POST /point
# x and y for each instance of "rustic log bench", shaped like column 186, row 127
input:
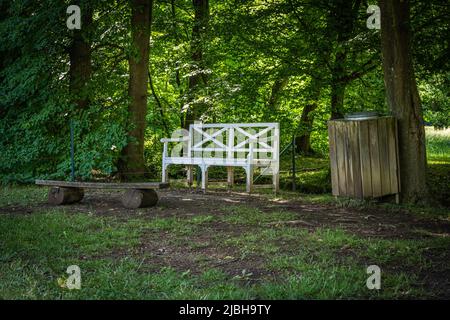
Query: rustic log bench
column 137, row 195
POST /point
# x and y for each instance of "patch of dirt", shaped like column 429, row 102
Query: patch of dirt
column 437, row 280
column 205, row 248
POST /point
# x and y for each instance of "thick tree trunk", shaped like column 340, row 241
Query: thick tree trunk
column 403, row 98
column 303, row 140
column 337, row 101
column 277, row 87
column 338, row 87
column 80, row 53
column 177, row 63
column 132, row 165
column 343, row 16
column 201, row 20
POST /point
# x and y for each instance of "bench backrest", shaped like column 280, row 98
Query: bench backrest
column 234, row 140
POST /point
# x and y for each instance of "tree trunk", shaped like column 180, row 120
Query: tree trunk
column 278, row 86
column 338, row 87
column 201, row 20
column 132, row 165
column 403, row 98
column 303, row 140
column 342, row 19
column 177, row 63
column 80, row 53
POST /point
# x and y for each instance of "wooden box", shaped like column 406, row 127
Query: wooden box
column 364, row 157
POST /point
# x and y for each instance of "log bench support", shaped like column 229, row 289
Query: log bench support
column 64, row 195
column 139, row 198
column 137, row 195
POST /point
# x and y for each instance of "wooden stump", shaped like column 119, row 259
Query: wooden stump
column 139, row 198
column 63, row 195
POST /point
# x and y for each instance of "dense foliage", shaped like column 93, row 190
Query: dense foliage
column 260, row 61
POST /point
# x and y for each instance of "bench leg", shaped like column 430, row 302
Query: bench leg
column 190, row 176
column 230, row 177
column 165, row 174
column 249, row 173
column 204, row 178
column 139, row 198
column 65, row 195
column 276, row 182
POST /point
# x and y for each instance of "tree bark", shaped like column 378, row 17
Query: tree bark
column 132, row 165
column 337, row 100
column 199, row 30
column 278, row 86
column 403, row 98
column 303, row 140
column 337, row 85
column 343, row 17
column 80, row 55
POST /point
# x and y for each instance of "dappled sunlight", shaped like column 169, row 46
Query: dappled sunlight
column 196, row 149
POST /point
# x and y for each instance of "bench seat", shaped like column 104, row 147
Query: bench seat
column 216, row 162
column 102, row 185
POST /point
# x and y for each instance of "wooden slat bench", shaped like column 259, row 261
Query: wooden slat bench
column 137, row 195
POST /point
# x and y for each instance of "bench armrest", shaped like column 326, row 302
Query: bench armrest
column 181, row 139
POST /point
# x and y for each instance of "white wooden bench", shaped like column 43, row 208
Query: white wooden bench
column 246, row 145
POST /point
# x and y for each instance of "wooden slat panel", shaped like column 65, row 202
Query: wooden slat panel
column 355, row 161
column 366, row 170
column 340, row 156
column 364, row 157
column 348, row 158
column 375, row 158
column 101, row 185
column 384, row 156
column 333, row 157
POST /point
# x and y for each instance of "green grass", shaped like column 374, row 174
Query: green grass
column 36, row 249
column 438, row 145
column 244, row 215
column 21, row 195
column 438, row 154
